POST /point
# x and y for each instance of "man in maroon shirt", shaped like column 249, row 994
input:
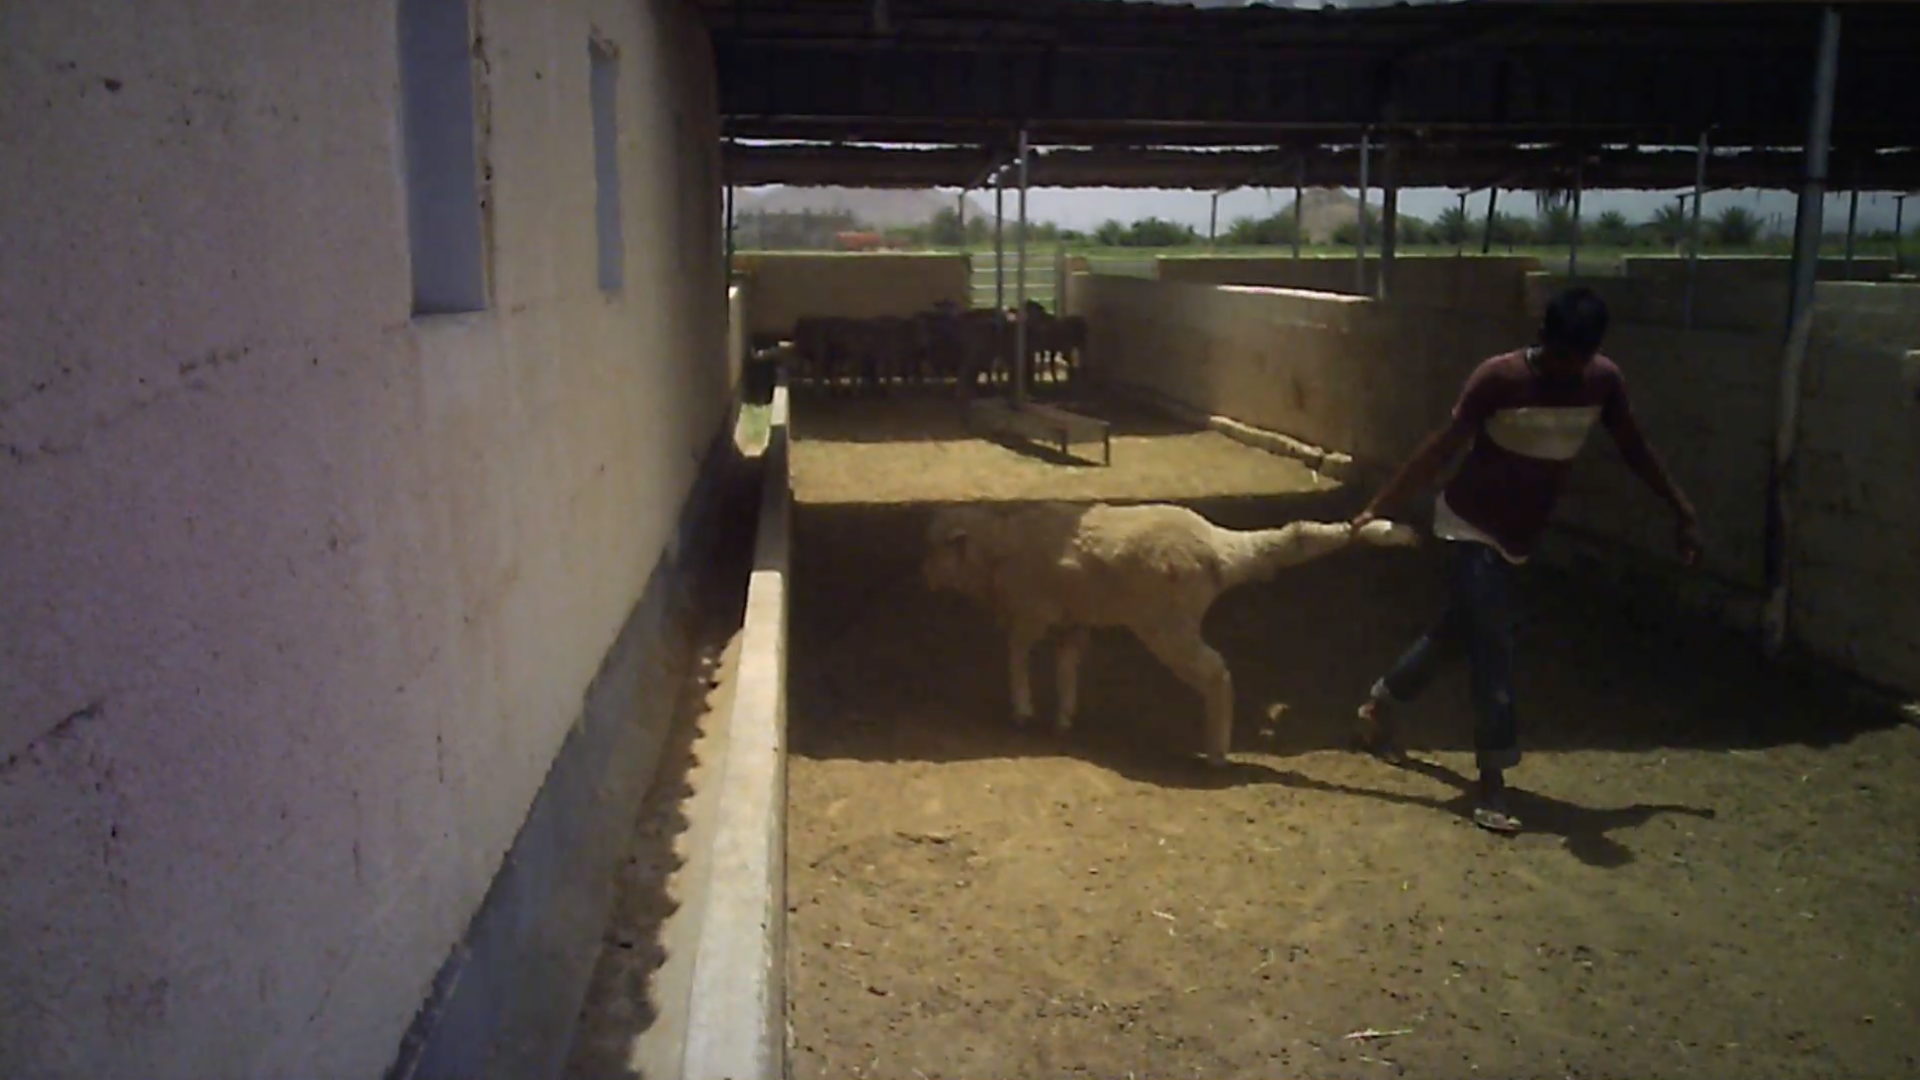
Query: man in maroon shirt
column 1522, row 417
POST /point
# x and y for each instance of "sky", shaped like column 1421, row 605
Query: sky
column 1086, row 208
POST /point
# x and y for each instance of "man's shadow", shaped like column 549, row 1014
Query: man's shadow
column 1583, row 828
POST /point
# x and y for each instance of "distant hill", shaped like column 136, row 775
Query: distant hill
column 876, row 208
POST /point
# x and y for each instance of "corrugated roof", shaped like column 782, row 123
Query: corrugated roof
column 1440, row 72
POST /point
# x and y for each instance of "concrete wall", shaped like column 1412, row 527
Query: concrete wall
column 302, row 594
column 787, row 286
column 1342, row 372
column 1857, row 532
column 1730, row 303
column 1494, row 283
column 1368, row 379
column 1751, row 269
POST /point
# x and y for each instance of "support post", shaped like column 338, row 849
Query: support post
column 1800, row 295
column 1360, row 234
column 1389, row 216
column 1693, row 243
column 1853, row 221
column 999, row 245
column 1213, row 221
column 1899, row 233
column 1460, row 238
column 1493, row 206
column 960, row 213
column 1573, row 248
column 1060, row 278
column 1020, row 284
column 729, row 267
column 1299, row 195
column 999, row 270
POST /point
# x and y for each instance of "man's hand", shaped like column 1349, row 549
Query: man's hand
column 1359, row 521
column 1687, row 540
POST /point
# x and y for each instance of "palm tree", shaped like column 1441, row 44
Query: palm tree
column 1736, row 227
column 1555, row 225
column 1611, row 229
column 1512, row 229
column 1453, row 226
column 1670, row 225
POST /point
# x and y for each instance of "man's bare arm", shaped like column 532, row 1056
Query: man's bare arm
column 1422, row 467
column 1645, row 464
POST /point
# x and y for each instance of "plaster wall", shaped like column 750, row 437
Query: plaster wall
column 1751, row 269
column 787, row 286
column 302, row 593
column 1856, row 553
column 1493, row 284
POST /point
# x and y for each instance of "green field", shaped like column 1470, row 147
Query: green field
column 1593, row 258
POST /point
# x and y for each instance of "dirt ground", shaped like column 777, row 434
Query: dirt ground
column 1720, row 877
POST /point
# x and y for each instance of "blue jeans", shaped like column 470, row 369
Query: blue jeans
column 1479, row 621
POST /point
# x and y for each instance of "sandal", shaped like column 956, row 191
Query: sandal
column 1498, row 821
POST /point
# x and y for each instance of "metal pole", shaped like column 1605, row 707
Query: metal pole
column 1213, row 221
column 960, row 212
column 1299, row 194
column 1806, row 253
column 1486, row 236
column 1389, row 216
column 999, row 273
column 729, row 268
column 999, row 247
column 1360, row 236
column 1899, row 233
column 1573, row 248
column 1693, row 244
column 1460, row 238
column 1853, row 217
column 1020, row 284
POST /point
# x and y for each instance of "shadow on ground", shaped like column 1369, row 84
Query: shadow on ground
column 886, row 671
column 629, row 996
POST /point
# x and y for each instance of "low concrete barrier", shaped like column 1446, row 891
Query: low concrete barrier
column 736, row 1016
column 1329, row 463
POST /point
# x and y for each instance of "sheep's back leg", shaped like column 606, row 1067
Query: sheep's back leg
column 1021, row 638
column 1196, row 663
column 1073, row 646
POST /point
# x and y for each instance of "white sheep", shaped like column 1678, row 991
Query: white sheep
column 1154, row 569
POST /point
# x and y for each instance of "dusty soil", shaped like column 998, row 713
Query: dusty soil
column 1720, row 877
column 918, row 450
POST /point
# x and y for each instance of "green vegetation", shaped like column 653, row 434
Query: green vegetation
column 1547, row 234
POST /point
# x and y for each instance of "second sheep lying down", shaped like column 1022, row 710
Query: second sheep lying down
column 1155, row 569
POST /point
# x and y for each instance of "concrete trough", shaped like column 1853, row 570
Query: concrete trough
column 736, row 1017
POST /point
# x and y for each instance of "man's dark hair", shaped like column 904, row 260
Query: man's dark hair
column 1576, row 321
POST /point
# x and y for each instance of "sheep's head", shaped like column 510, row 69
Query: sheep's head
column 1381, row 533
column 950, row 564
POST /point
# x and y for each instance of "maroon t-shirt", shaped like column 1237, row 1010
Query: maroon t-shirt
column 1528, row 429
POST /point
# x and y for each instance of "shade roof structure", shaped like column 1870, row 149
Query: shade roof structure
column 1430, row 164
column 1469, row 79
